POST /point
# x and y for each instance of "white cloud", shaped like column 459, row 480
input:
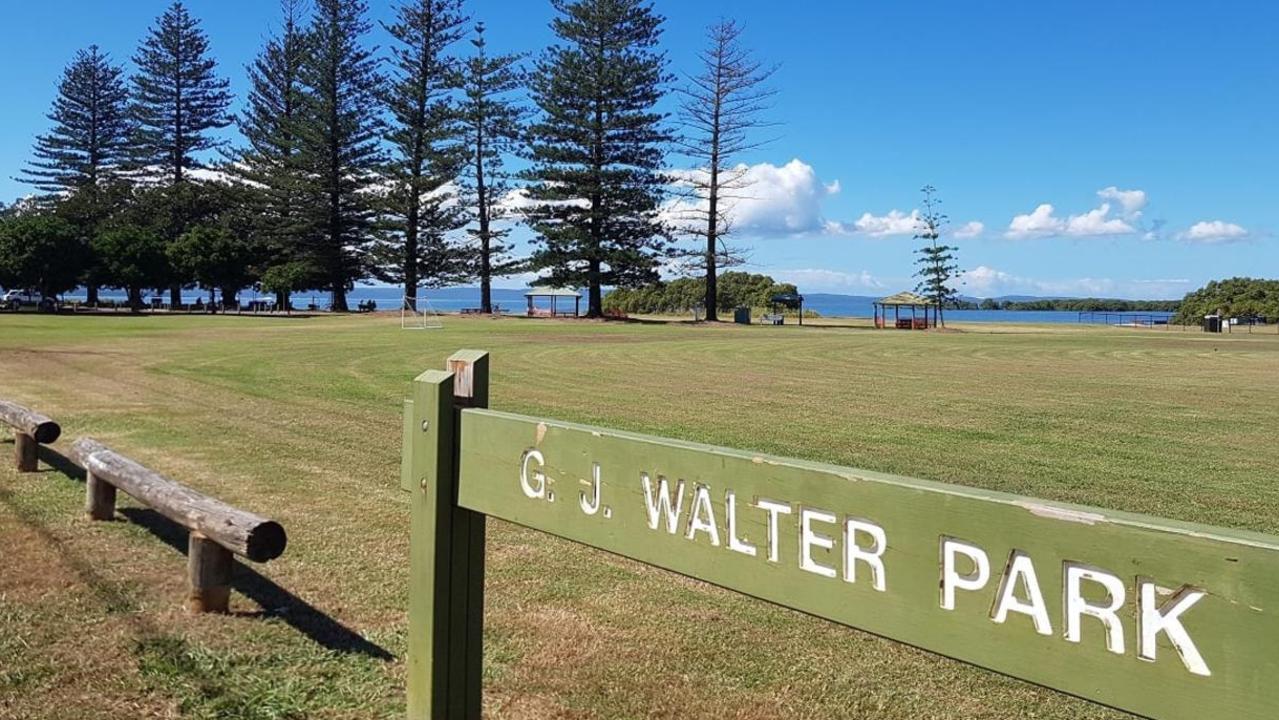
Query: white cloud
column 970, row 230
column 769, row 199
column 1039, row 222
column 985, row 281
column 1132, row 202
column 1043, row 222
column 1213, row 232
column 895, row 222
column 832, row 281
column 1097, row 222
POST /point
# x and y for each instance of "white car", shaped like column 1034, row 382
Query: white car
column 15, row 299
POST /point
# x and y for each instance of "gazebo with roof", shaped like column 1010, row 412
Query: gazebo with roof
column 899, row 301
column 556, row 295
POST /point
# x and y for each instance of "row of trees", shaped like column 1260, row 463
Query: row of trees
column 358, row 164
column 1234, row 297
column 1080, row 305
column 733, row 289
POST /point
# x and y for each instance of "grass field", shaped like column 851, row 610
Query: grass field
column 299, row 419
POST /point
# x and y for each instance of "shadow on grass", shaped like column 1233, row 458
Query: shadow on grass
column 276, row 602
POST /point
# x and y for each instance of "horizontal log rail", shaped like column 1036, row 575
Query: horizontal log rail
column 30, row 430
column 217, row 529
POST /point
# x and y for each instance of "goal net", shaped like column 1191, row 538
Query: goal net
column 418, row 314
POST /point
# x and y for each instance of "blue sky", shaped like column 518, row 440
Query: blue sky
column 1150, row 128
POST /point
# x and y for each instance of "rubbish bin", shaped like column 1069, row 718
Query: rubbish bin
column 742, row 316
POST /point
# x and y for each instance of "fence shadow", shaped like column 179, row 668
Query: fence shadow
column 276, row 602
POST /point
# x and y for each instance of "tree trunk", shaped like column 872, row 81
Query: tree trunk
column 175, row 297
column 91, row 293
column 595, row 301
column 339, row 297
column 712, row 239
column 135, row 299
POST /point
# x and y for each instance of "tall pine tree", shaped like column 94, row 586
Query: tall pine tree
column 599, row 148
column 493, row 124
column 178, row 101
column 178, row 97
column 722, row 105
column 269, row 123
column 427, row 153
column 88, row 143
column 340, row 152
column 83, row 154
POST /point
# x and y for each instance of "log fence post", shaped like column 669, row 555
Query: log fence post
column 209, row 575
column 99, row 497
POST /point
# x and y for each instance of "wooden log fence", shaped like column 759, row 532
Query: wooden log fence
column 30, row 430
column 217, row 530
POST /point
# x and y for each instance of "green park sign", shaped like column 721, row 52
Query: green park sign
column 1159, row 618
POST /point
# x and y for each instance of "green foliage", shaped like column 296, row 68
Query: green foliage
column 40, row 252
column 1235, row 297
column 286, row 278
column 178, row 98
column 735, row 289
column 1083, row 305
column 340, row 152
column 598, row 149
column 215, row 257
column 132, row 257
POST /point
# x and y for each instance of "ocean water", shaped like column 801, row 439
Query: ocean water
column 511, row 300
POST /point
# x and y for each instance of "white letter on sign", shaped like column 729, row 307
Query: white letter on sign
column 773, row 508
column 874, row 557
column 1021, row 569
column 660, row 504
column 951, row 580
column 1155, row 620
column 809, row 539
column 734, row 543
column 536, row 491
column 702, row 517
column 1108, row 614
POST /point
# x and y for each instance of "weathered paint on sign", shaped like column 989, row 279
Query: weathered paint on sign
column 1163, row 619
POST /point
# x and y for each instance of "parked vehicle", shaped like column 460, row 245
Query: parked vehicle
column 17, row 299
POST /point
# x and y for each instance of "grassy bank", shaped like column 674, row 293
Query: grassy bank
column 299, row 419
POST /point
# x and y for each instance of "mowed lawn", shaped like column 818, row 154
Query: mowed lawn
column 299, row 419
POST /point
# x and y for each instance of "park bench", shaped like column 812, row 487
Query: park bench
column 30, row 430
column 218, row 531
column 773, row 319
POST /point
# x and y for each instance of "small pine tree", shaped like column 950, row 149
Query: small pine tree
column 178, row 97
column 493, row 125
column 598, row 149
column 340, row 152
column 427, row 150
column 937, row 263
column 269, row 123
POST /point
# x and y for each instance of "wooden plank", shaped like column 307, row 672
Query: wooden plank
column 241, row 532
column 1031, row 589
column 446, row 595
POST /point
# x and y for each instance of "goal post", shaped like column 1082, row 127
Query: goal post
column 418, row 314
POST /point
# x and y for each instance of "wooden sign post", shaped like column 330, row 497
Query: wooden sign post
column 1163, row 619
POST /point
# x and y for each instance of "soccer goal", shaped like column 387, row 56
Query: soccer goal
column 419, row 314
